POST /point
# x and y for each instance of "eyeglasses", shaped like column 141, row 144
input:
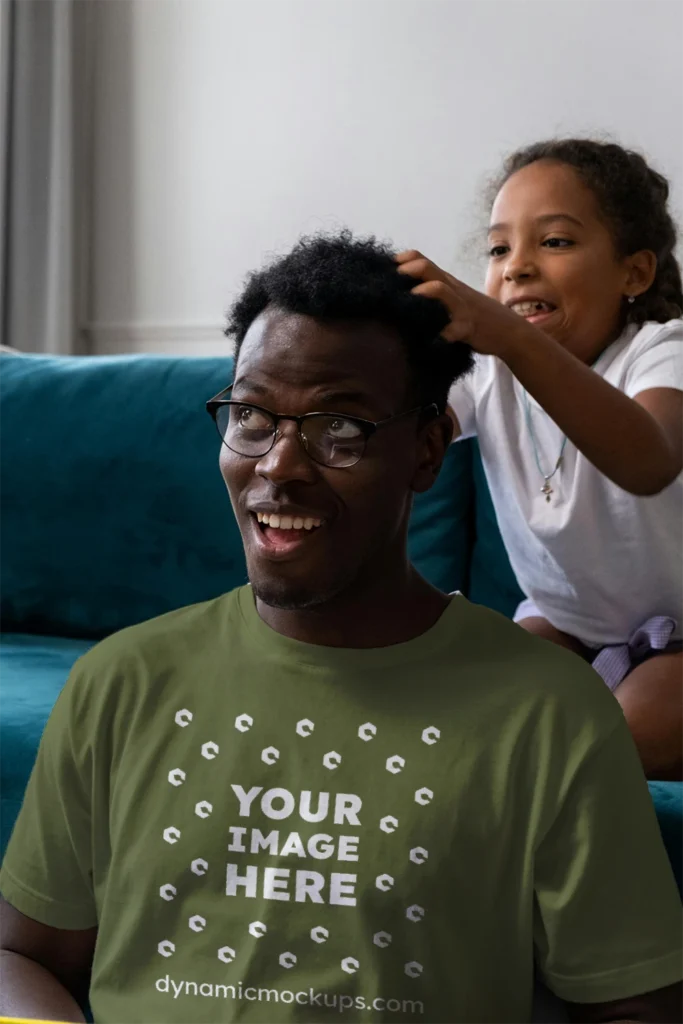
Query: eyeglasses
column 328, row 438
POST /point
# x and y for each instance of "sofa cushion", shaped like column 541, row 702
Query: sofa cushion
column 668, row 801
column 492, row 581
column 440, row 537
column 33, row 670
column 112, row 504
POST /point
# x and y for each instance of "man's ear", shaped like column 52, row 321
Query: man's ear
column 435, row 437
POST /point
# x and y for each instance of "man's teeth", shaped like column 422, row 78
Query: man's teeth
column 530, row 308
column 277, row 522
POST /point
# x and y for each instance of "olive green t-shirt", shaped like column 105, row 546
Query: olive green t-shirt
column 266, row 830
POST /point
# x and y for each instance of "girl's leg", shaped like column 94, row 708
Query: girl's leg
column 539, row 626
column 651, row 697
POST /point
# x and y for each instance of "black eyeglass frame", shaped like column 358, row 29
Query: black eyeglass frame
column 367, row 427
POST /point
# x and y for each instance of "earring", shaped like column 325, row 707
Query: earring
column 631, row 299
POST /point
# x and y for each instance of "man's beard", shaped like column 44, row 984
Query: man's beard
column 289, row 599
column 293, row 597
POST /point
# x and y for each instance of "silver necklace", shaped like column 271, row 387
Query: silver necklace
column 546, row 489
column 547, row 477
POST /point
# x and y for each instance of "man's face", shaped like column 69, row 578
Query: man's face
column 292, row 364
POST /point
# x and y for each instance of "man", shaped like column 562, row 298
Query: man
column 336, row 794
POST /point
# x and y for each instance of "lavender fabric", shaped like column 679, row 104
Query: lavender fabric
column 615, row 662
column 653, row 637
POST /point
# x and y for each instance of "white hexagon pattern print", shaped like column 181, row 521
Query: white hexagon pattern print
column 346, row 809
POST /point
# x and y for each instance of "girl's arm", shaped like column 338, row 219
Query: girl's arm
column 636, row 442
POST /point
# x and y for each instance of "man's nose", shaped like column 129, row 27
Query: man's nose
column 287, row 460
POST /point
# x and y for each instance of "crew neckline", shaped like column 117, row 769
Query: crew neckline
column 274, row 644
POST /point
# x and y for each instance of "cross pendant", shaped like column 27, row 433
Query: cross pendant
column 547, row 490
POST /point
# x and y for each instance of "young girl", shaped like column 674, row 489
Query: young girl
column 576, row 400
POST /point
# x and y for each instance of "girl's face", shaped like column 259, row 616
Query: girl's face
column 553, row 260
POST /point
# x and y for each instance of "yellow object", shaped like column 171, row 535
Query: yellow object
column 26, row 1020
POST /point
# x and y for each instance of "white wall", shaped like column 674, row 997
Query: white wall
column 225, row 128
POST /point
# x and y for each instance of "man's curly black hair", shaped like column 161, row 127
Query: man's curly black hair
column 339, row 278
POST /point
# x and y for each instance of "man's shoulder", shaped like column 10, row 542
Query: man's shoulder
column 533, row 671
column 165, row 639
column 138, row 670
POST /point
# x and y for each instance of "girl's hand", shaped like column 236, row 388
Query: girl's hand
column 486, row 325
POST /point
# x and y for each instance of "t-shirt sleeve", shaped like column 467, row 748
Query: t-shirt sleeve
column 47, row 870
column 462, row 401
column 607, row 911
column 660, row 364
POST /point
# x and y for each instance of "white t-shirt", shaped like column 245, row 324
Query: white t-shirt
column 597, row 561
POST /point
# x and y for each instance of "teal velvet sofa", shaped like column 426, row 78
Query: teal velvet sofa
column 113, row 511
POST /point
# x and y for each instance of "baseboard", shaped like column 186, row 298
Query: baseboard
column 156, row 339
